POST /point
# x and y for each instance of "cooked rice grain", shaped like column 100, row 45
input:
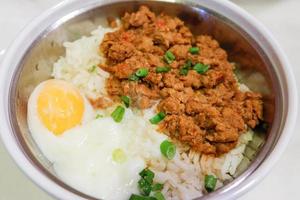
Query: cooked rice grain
column 184, row 175
column 80, row 64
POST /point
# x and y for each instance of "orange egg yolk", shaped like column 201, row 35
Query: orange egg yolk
column 60, row 106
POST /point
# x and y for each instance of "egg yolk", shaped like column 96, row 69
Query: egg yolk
column 60, row 106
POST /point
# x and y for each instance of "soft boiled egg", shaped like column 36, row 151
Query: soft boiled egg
column 57, row 106
column 99, row 157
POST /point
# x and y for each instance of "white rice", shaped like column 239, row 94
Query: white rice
column 183, row 176
column 79, row 66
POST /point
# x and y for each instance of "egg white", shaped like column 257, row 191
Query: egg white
column 82, row 156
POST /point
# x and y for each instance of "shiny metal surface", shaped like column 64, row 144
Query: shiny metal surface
column 259, row 68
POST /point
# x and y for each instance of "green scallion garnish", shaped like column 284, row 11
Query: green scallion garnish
column 133, row 77
column 157, row 187
column 194, row 50
column 118, row 114
column 186, row 67
column 147, row 174
column 139, row 197
column 144, row 187
column 92, row 69
column 119, row 156
column 201, row 68
column 169, row 57
column 99, row 116
column 142, row 72
column 184, row 71
column 157, row 118
column 188, row 64
column 126, row 101
column 159, row 196
column 162, row 69
column 210, row 183
column 168, row 149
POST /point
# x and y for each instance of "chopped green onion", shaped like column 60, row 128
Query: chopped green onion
column 139, row 197
column 157, row 118
column 157, row 187
column 144, row 187
column 147, row 175
column 118, row 114
column 188, row 64
column 186, row 67
column 126, row 100
column 184, row 71
column 133, row 77
column 210, row 183
column 169, row 57
column 92, row 69
column 119, row 156
column 99, row 116
column 142, row 72
column 201, row 68
column 159, row 196
column 194, row 50
column 162, row 69
column 168, row 149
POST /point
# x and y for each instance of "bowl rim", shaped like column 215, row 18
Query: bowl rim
column 12, row 145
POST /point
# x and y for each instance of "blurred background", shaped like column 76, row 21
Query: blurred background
column 281, row 17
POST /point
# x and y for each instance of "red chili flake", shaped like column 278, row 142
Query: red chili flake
column 126, row 36
column 160, row 23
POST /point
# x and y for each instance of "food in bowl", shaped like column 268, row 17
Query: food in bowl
column 144, row 109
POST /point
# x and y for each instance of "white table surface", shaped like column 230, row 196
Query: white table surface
column 282, row 17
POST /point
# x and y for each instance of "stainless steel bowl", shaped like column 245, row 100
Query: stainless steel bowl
column 262, row 67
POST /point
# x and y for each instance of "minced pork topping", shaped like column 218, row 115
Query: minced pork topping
column 155, row 59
